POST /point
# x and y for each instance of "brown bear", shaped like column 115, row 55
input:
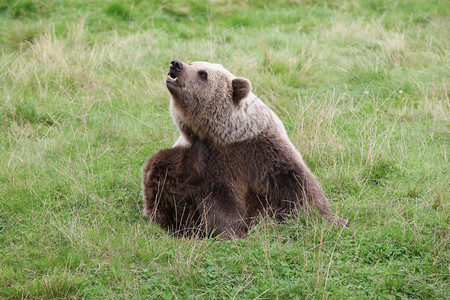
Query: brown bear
column 245, row 165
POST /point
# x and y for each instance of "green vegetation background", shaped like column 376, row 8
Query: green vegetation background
column 362, row 87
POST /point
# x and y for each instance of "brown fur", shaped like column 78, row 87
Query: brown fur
column 244, row 166
column 171, row 180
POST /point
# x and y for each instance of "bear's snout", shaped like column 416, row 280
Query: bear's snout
column 176, row 66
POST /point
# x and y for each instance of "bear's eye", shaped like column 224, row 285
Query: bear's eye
column 203, row 74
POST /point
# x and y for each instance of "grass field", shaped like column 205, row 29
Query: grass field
column 361, row 86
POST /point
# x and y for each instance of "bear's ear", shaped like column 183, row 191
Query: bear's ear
column 241, row 88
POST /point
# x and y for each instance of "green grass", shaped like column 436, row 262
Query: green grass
column 361, row 86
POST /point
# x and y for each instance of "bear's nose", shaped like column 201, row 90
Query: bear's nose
column 176, row 66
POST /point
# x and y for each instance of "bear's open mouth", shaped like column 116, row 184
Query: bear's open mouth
column 172, row 78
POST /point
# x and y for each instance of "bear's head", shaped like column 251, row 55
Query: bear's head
column 202, row 83
column 212, row 103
